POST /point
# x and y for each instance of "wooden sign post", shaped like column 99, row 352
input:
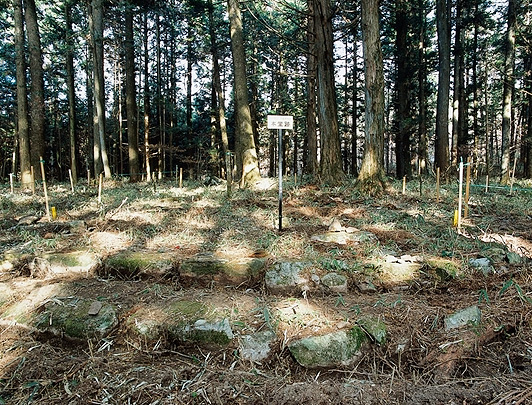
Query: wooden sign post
column 280, row 122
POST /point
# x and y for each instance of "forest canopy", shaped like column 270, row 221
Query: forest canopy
column 140, row 89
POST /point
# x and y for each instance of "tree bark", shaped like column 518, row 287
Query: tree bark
column 509, row 62
column 220, row 106
column 246, row 155
column 331, row 171
column 528, row 138
column 372, row 178
column 402, row 139
column 36, row 111
column 311, row 150
column 96, row 29
column 22, row 98
column 71, row 90
column 441, row 158
column 354, row 112
column 146, row 101
column 423, row 154
column 131, row 97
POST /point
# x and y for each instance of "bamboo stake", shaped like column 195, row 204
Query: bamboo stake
column 461, row 180
column 228, row 176
column 180, row 177
column 437, row 184
column 100, row 189
column 45, row 190
column 32, row 180
column 71, row 179
column 468, row 181
column 487, row 182
column 11, row 183
column 404, row 185
column 512, row 179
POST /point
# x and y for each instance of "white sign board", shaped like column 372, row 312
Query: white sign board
column 280, row 122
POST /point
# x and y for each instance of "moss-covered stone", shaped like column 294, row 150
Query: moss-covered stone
column 132, row 264
column 71, row 317
column 182, row 322
column 207, row 267
column 330, row 350
column 375, row 328
column 288, row 277
column 78, row 261
column 335, row 282
column 445, row 269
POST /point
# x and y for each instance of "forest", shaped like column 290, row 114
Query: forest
column 141, row 89
column 160, row 261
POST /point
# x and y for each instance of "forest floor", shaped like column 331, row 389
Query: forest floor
column 421, row 362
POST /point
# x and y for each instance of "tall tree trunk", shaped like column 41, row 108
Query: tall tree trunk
column 246, row 154
column 476, row 88
column 146, row 100
column 71, row 89
column 219, row 93
column 372, row 177
column 354, row 112
column 311, row 151
column 190, row 43
column 96, row 29
column 131, row 96
column 528, row 139
column 160, row 128
column 331, row 170
column 22, row 98
column 36, row 111
column 441, row 158
column 402, row 139
column 509, row 62
column 423, row 153
column 460, row 149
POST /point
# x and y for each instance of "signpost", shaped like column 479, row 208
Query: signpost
column 280, row 122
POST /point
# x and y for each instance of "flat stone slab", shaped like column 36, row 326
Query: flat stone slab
column 288, row 277
column 397, row 270
column 483, row 264
column 207, row 267
column 129, row 265
column 71, row 316
column 335, row 349
column 335, row 282
column 182, row 322
column 468, row 316
column 257, row 347
column 53, row 264
column 375, row 328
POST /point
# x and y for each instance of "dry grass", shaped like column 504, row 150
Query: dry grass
column 488, row 364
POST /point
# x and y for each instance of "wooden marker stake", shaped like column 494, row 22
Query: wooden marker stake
column 100, row 189
column 71, row 179
column 487, row 183
column 45, row 190
column 180, row 177
column 437, row 184
column 88, row 178
column 460, row 185
column 468, row 181
column 11, row 183
column 32, row 180
column 404, row 184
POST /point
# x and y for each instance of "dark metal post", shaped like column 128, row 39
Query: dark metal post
column 280, row 153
